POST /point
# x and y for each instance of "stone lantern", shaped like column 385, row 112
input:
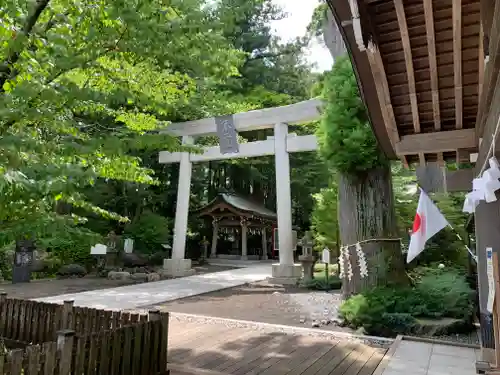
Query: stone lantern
column 307, row 258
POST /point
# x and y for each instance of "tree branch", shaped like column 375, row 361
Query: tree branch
column 7, row 66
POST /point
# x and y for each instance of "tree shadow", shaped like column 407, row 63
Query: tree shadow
column 271, row 353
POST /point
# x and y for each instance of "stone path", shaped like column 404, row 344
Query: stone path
column 142, row 295
column 420, row 358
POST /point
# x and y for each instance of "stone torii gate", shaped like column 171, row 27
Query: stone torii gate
column 280, row 145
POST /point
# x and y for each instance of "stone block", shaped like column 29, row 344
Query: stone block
column 115, row 275
column 286, row 274
column 177, row 267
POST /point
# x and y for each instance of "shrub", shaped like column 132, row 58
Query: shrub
column 320, row 283
column 391, row 311
column 447, row 294
column 70, row 245
column 149, row 232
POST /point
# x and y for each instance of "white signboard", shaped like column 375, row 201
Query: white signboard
column 325, row 256
column 98, row 249
column 128, row 246
column 491, row 279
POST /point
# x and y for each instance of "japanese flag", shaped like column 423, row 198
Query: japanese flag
column 428, row 221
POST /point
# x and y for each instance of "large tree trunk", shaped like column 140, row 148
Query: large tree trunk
column 366, row 213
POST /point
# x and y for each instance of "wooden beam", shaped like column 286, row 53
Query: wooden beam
column 460, row 180
column 480, row 89
column 491, row 121
column 491, row 71
column 457, row 61
column 405, row 39
column 481, row 62
column 383, row 94
column 433, row 71
column 487, row 16
column 434, row 178
column 305, row 111
column 436, row 142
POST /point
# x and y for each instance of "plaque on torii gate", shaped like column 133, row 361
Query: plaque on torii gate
column 228, row 136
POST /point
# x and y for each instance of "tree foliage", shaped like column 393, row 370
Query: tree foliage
column 347, row 142
column 84, row 85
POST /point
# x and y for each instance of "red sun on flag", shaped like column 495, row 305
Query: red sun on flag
column 417, row 223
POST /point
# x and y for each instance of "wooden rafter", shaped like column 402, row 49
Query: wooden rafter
column 481, row 63
column 405, row 39
column 457, row 61
column 384, row 98
column 431, row 45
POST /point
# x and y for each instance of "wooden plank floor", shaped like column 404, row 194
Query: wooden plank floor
column 215, row 349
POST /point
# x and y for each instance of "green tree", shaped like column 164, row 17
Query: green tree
column 83, row 88
column 365, row 193
column 324, row 218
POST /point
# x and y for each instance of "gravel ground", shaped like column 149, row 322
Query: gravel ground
column 54, row 287
column 471, row 338
column 263, row 302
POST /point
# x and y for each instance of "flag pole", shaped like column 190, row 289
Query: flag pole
column 474, row 256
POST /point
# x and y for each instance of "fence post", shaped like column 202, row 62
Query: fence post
column 154, row 315
column 65, row 339
column 3, row 313
column 67, row 315
column 165, row 317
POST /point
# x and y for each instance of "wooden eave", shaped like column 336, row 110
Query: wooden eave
column 229, row 205
column 420, row 74
column 366, row 83
column 488, row 116
column 220, row 209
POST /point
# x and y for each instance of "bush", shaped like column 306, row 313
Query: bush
column 70, row 245
column 149, row 232
column 320, row 283
column 392, row 311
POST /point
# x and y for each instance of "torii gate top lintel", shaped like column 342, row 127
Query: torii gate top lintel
column 308, row 110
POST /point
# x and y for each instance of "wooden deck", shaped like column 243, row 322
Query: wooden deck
column 216, row 349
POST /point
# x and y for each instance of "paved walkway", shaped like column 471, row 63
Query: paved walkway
column 420, row 358
column 142, row 295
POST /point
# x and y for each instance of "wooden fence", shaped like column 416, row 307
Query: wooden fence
column 51, row 339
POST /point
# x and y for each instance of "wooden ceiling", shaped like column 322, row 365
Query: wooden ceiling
column 426, row 61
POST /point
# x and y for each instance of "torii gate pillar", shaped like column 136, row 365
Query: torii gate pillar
column 284, row 272
column 178, row 266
